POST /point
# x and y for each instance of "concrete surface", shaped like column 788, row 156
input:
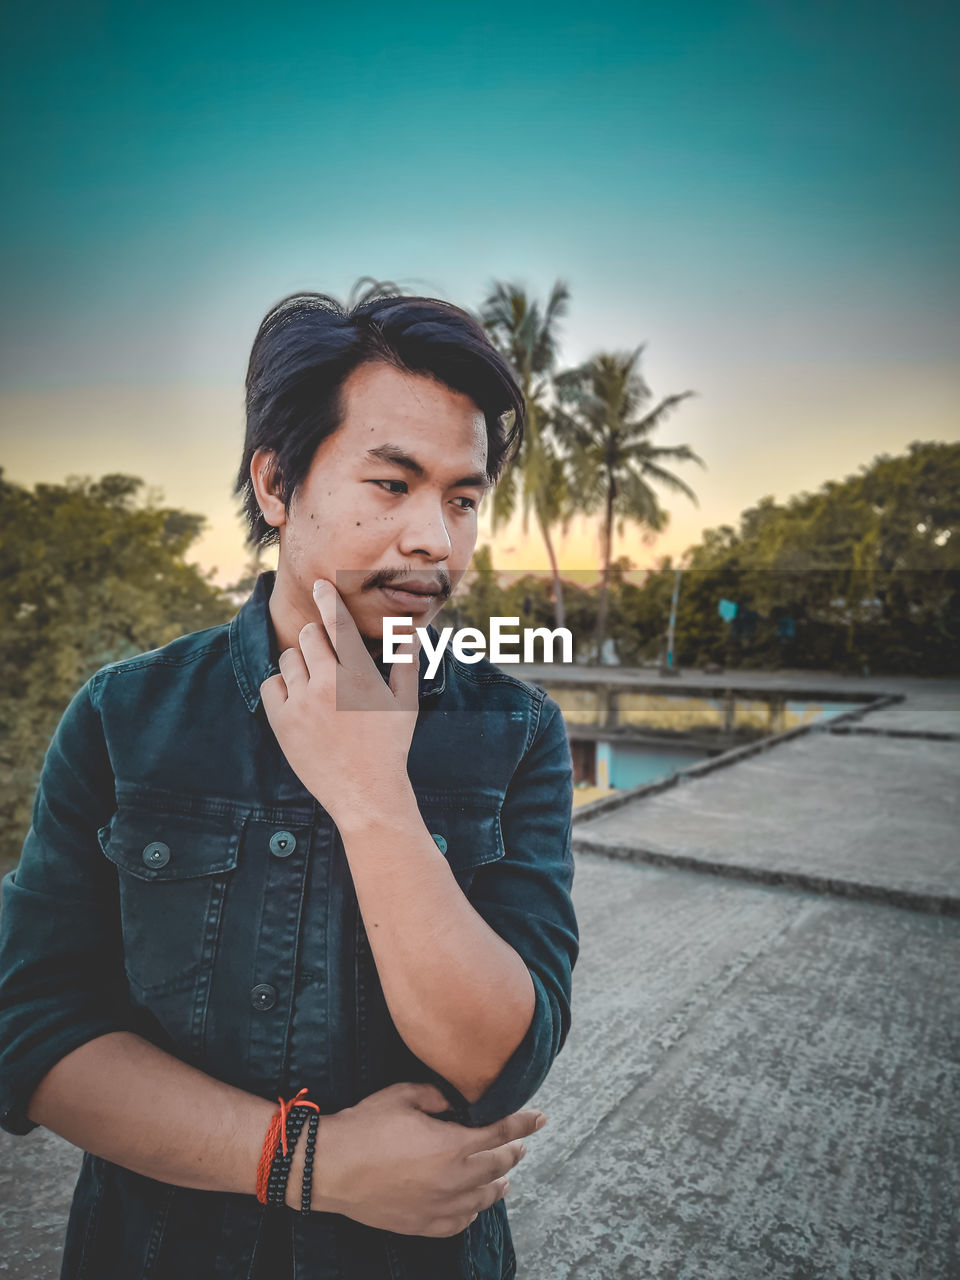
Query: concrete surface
column 921, row 712
column 761, row 1083
column 37, row 1176
column 869, row 815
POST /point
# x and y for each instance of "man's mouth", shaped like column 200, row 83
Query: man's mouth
column 414, row 598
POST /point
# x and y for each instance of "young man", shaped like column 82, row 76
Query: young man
column 261, row 860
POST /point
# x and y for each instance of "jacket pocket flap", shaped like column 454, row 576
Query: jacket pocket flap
column 466, row 827
column 163, row 846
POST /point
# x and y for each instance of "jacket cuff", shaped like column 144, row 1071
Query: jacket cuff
column 523, row 1073
column 21, row 1079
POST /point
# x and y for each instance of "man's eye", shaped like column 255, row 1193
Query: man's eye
column 400, row 486
column 470, row 503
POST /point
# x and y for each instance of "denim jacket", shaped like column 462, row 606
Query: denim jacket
column 179, row 881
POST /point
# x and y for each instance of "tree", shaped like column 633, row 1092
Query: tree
column 526, row 333
column 89, row 573
column 604, row 420
column 864, row 574
column 638, row 613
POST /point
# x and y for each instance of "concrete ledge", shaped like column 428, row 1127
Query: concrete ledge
column 925, row 735
column 874, row 702
column 607, row 803
column 937, row 904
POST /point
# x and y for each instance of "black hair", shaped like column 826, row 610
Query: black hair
column 309, row 343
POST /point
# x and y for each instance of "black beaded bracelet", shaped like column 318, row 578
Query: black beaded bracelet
column 280, row 1165
column 308, row 1165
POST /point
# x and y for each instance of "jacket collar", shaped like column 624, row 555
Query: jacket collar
column 254, row 650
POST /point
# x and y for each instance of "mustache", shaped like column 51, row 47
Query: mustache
column 397, row 577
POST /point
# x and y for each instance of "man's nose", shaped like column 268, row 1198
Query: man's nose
column 425, row 530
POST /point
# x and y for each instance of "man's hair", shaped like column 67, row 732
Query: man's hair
column 309, row 343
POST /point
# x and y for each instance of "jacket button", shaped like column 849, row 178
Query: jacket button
column 441, row 843
column 263, row 996
column 156, row 855
column 282, row 844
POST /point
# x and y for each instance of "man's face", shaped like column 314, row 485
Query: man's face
column 390, row 501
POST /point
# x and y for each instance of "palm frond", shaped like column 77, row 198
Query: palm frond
column 503, row 500
column 668, row 480
column 601, row 417
column 644, row 426
column 636, row 500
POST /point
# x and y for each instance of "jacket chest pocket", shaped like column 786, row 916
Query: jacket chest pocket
column 466, row 829
column 173, row 873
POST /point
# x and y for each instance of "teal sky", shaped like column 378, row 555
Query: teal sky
column 764, row 193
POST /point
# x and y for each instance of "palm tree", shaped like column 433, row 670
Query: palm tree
column 526, row 333
column 603, row 418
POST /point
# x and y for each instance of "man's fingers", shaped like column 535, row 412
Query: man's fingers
column 426, row 1097
column 496, row 1191
column 488, row 1196
column 405, row 680
column 518, row 1125
column 486, row 1166
column 273, row 693
column 316, row 652
column 340, row 627
column 468, row 1206
column 293, row 669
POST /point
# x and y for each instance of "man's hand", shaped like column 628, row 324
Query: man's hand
column 388, row 1163
column 345, row 733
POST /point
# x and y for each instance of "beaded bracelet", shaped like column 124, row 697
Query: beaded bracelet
column 280, row 1166
column 281, row 1137
column 308, row 1165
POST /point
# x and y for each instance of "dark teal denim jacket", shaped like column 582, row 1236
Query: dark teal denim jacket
column 180, row 882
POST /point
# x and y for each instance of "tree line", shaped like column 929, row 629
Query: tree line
column 91, row 571
column 861, row 577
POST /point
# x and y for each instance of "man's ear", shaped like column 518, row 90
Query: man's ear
column 265, row 477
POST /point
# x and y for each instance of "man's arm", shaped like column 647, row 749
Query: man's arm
column 62, row 978
column 385, row 1162
column 120, row 1097
column 525, row 898
column 469, row 993
column 461, row 997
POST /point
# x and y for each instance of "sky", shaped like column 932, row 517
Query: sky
column 765, row 196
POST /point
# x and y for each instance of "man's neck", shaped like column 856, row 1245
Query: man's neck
column 288, row 618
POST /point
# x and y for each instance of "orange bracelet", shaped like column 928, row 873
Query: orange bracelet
column 277, row 1132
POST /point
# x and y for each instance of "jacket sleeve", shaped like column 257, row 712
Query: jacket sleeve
column 525, row 898
column 61, row 959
